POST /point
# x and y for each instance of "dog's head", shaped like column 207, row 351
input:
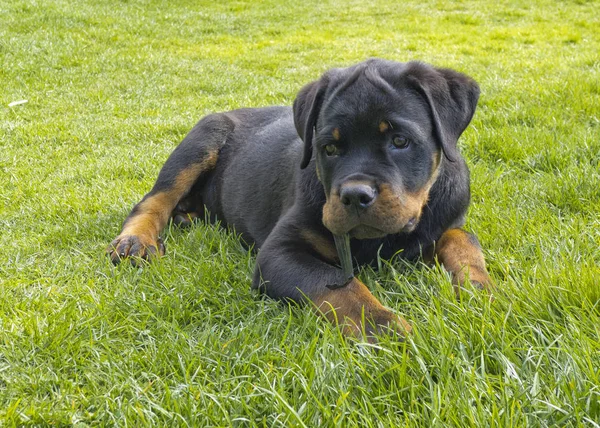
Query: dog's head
column 380, row 131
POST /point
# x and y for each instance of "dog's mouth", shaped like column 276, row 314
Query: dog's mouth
column 365, row 231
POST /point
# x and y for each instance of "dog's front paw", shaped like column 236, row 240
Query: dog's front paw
column 359, row 314
column 369, row 326
column 384, row 321
column 135, row 248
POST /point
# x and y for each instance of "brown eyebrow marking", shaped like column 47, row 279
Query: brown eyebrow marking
column 336, row 134
column 384, row 126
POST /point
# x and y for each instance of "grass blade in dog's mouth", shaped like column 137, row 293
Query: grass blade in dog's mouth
column 342, row 244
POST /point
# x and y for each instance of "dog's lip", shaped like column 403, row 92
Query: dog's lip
column 367, row 231
column 364, row 231
column 410, row 225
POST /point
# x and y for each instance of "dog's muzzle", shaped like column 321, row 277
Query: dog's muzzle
column 366, row 211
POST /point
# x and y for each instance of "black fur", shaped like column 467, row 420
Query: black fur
column 265, row 182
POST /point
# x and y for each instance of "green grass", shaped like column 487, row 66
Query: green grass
column 113, row 86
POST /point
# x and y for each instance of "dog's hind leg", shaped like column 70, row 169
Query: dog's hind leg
column 188, row 165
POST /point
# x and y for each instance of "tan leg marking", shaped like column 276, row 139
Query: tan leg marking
column 356, row 311
column 140, row 234
column 461, row 255
column 323, row 246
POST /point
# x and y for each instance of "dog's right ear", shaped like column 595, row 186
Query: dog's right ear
column 307, row 106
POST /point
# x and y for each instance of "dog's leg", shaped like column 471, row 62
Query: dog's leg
column 460, row 254
column 190, row 162
column 301, row 266
column 357, row 311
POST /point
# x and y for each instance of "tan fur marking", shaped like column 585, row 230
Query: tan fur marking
column 321, row 245
column 390, row 212
column 383, row 126
column 462, row 257
column 333, row 214
column 391, row 205
column 417, row 200
column 148, row 221
column 154, row 212
column 345, row 307
column 336, row 134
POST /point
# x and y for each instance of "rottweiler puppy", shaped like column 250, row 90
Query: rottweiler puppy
column 369, row 150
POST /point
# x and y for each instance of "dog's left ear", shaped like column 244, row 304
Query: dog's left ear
column 307, row 106
column 452, row 97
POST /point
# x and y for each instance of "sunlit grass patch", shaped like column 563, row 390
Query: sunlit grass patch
column 112, row 87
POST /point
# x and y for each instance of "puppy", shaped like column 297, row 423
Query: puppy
column 369, row 150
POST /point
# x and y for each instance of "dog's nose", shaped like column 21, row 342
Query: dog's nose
column 358, row 194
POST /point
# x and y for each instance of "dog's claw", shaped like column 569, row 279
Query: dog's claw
column 135, row 248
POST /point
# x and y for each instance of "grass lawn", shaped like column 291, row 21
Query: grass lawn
column 113, row 86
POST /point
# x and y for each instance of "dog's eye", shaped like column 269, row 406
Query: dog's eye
column 331, row 150
column 400, row 142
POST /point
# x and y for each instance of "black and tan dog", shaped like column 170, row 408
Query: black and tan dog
column 368, row 150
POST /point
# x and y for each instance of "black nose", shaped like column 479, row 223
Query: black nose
column 358, row 194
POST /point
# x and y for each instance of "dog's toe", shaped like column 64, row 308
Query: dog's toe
column 386, row 322
column 135, row 248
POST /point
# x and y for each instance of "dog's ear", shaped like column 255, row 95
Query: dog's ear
column 452, row 97
column 307, row 106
